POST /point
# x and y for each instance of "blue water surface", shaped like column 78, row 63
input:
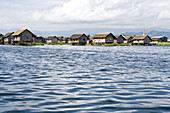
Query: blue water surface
column 84, row 79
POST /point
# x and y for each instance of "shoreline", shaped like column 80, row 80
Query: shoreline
column 105, row 45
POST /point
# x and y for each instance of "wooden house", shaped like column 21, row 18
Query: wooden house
column 104, row 38
column 159, row 39
column 1, row 40
column 52, row 39
column 60, row 38
column 90, row 40
column 38, row 39
column 120, row 39
column 165, row 39
column 141, row 40
column 1, row 35
column 23, row 35
column 78, row 39
column 128, row 39
column 65, row 39
column 156, row 40
column 7, row 38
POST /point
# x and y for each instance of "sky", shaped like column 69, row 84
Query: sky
column 67, row 15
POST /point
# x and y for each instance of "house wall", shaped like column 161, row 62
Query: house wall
column 48, row 41
column 115, row 41
column 160, row 40
column 129, row 40
column 164, row 39
column 83, row 40
column 147, row 40
column 120, row 40
column 138, row 42
column 156, row 41
column 38, row 40
column 1, row 35
column 54, row 40
column 26, row 37
column 109, row 39
column 74, row 41
column 99, row 40
column 7, row 40
column 16, row 39
column 126, row 41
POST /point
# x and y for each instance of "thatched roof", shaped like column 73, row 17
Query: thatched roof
column 77, row 36
column 127, row 37
column 117, row 36
column 8, row 34
column 21, row 31
column 140, row 37
column 91, row 37
column 51, row 37
column 60, row 37
column 156, row 39
column 65, row 38
column 159, row 37
column 102, row 35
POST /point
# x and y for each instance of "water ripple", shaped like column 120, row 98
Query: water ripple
column 78, row 79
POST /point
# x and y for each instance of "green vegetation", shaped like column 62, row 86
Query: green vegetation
column 29, row 44
column 163, row 44
column 40, row 44
column 59, row 43
column 37, row 44
column 115, row 44
column 23, row 44
column 88, row 44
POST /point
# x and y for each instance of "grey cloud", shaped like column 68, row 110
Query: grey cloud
column 74, row 14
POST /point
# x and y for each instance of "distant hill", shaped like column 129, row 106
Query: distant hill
column 151, row 33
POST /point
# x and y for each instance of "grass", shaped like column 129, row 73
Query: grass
column 88, row 44
column 23, row 44
column 116, row 44
column 37, row 44
column 60, row 43
column 29, row 44
column 163, row 44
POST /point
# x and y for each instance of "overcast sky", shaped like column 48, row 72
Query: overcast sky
column 56, row 15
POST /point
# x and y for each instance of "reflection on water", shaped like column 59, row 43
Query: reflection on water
column 69, row 79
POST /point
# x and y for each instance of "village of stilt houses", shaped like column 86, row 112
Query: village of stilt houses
column 26, row 37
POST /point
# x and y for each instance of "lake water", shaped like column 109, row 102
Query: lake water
column 79, row 79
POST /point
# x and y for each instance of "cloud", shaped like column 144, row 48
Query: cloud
column 76, row 14
column 82, row 11
column 164, row 15
column 113, row 12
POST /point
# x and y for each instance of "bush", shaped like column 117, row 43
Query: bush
column 124, row 44
column 23, row 44
column 116, row 44
column 37, row 44
column 29, row 44
column 60, row 43
column 88, row 44
column 163, row 44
